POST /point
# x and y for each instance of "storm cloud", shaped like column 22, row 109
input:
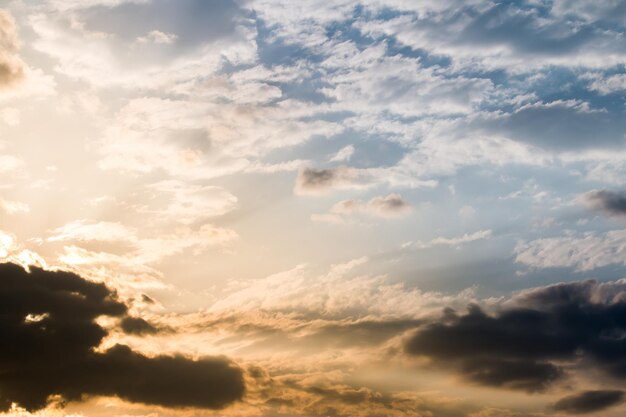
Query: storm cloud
column 49, row 334
column 524, row 344
column 589, row 401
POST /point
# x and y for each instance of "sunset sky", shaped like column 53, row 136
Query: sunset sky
column 312, row 208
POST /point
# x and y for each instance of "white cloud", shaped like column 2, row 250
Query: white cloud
column 613, row 84
column 389, row 206
column 158, row 37
column 455, row 241
column 344, row 154
column 86, row 231
column 14, row 207
column 580, row 252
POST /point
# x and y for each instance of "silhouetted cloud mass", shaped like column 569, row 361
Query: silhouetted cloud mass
column 523, row 345
column 611, row 202
column 137, row 325
column 589, row 401
column 48, row 333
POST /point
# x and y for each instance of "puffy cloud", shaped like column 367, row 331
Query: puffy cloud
column 532, row 338
column 589, row 401
column 50, row 318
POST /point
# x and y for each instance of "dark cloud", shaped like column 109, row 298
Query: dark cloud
column 589, row 401
column 524, row 345
column 48, row 334
column 316, row 181
column 611, row 202
column 146, row 299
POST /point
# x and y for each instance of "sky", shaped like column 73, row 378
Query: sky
column 346, row 208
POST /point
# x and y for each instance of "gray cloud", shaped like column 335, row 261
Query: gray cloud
column 522, row 346
column 589, row 401
column 391, row 205
column 611, row 202
column 49, row 317
column 319, row 181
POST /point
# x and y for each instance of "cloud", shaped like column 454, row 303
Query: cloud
column 138, row 326
column 158, row 37
column 451, row 241
column 85, row 231
column 330, row 295
column 589, row 401
column 50, row 319
column 507, row 35
column 611, row 202
column 612, row 84
column 583, row 253
column 188, row 202
column 319, row 181
column 392, row 205
column 105, row 41
column 343, row 154
column 530, row 341
column 388, row 206
column 12, row 69
column 14, row 207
